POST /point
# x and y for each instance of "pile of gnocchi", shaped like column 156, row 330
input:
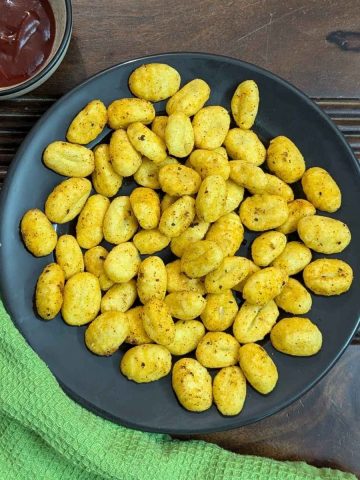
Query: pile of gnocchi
column 203, row 177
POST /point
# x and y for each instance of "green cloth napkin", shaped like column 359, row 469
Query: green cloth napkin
column 45, row 435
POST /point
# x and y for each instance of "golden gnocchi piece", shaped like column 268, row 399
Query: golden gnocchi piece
column 152, row 279
column 146, row 363
column 228, row 233
column 276, row 186
column 119, row 223
column 254, row 322
column 266, row 247
column 298, row 209
column 190, row 98
column 69, row 255
column 124, row 111
column 124, row 159
column 150, row 241
column 294, row 258
column 201, row 258
column 122, row 262
column 177, row 281
column 211, row 198
column 263, row 212
column 185, row 305
column 137, row 334
column 37, row 233
column 69, row 159
column 234, row 196
column 82, row 297
column 49, row 291
column 285, row 160
column 187, row 336
column 147, row 142
column 120, row 297
column 178, row 217
column 148, row 173
column 245, row 145
column 229, row 390
column 67, row 199
column 154, row 81
column 88, row 123
column 229, row 273
column 324, row 234
column 259, row 369
column 158, row 125
column 145, row 205
column 328, row 276
column 106, row 333
column 195, row 232
column 245, row 104
column 106, row 181
column 294, row 298
column 177, row 180
column 220, row 311
column 211, row 124
column 94, row 263
column 264, row 285
column 89, row 227
column 296, row 336
column 252, row 269
column 179, row 135
column 157, row 321
column 217, row 350
column 209, row 162
column 192, row 385
column 248, row 175
column 321, row 189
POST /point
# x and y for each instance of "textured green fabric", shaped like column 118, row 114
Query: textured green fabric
column 45, row 435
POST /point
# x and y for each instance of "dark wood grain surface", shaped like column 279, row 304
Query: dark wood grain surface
column 315, row 44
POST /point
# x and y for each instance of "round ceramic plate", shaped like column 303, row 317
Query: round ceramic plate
column 95, row 382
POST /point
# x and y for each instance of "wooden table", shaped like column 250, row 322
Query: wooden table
column 315, row 44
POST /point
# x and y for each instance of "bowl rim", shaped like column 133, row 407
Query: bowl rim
column 42, row 74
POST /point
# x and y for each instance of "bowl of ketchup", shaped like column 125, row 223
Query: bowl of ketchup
column 34, row 37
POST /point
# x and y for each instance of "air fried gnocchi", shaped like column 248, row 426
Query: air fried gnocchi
column 200, row 185
column 37, row 233
column 296, row 336
column 259, row 369
column 69, row 255
column 146, row 363
column 106, row 333
column 124, row 111
column 154, row 81
column 88, row 123
column 192, row 385
column 49, row 291
column 229, row 390
column 67, row 199
column 245, row 104
column 69, row 159
column 321, row 189
column 190, row 98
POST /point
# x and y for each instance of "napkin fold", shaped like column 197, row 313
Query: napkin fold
column 46, row 435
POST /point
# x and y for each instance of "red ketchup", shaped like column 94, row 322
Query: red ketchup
column 27, row 32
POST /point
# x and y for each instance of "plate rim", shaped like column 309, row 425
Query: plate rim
column 12, row 171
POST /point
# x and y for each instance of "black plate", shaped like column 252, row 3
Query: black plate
column 96, row 382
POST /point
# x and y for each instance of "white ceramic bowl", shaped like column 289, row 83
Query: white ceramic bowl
column 63, row 21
